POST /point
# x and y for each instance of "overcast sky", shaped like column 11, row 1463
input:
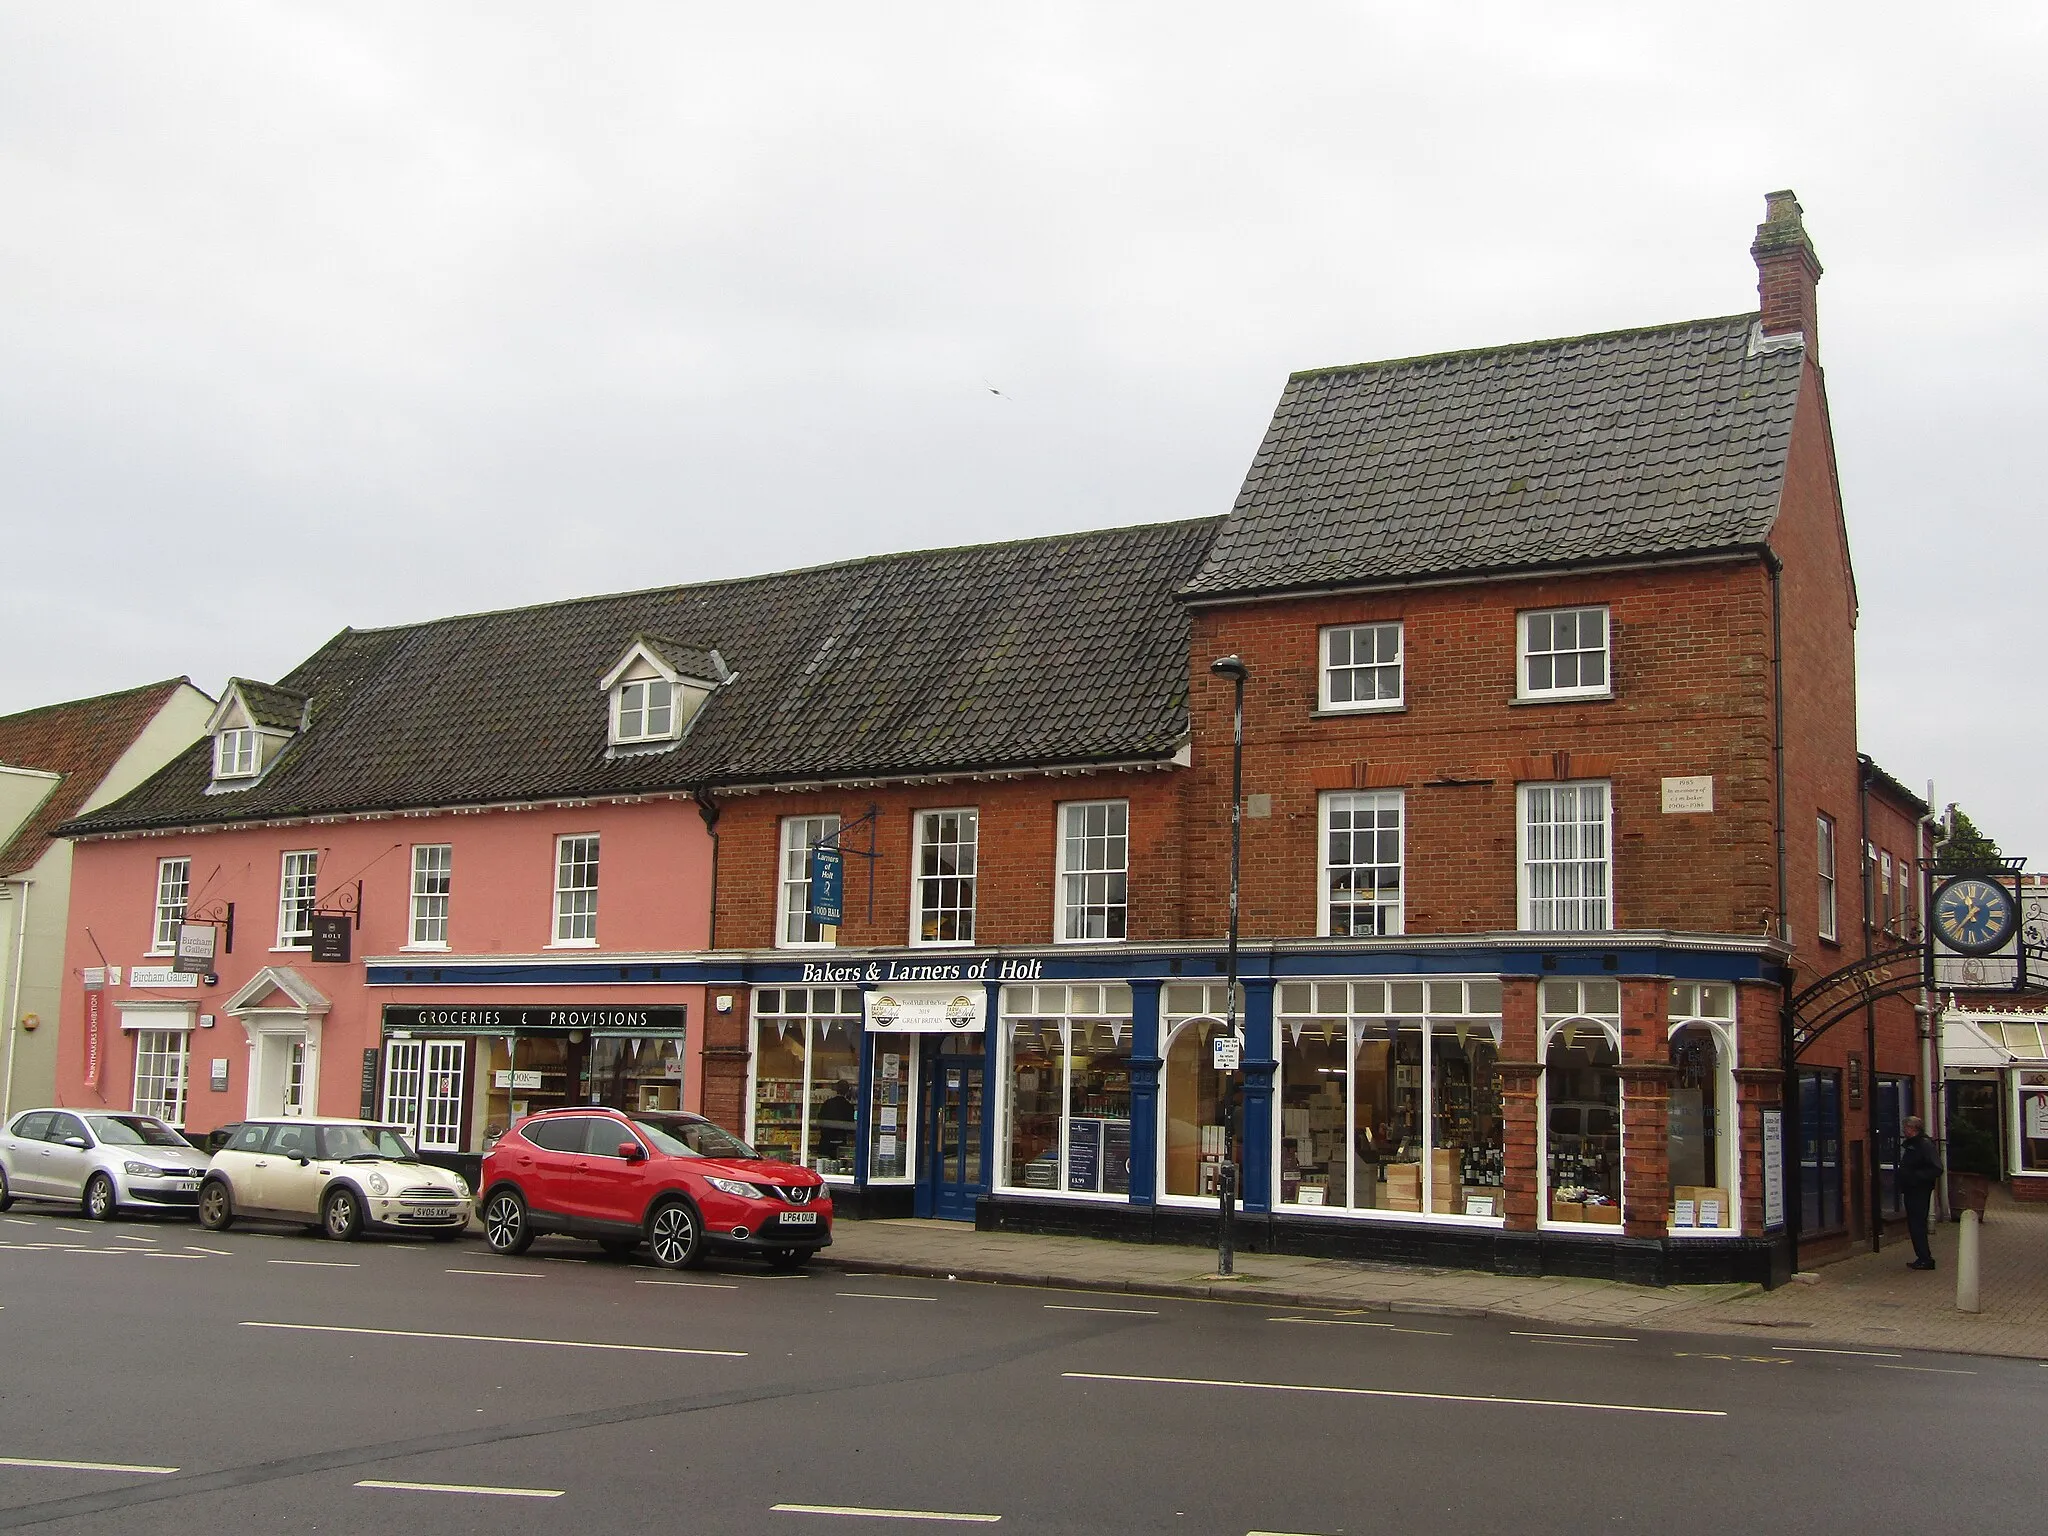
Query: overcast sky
column 314, row 316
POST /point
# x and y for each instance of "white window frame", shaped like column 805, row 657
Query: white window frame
column 298, row 889
column 1826, row 844
column 1394, row 920
column 1549, row 1025
column 236, row 753
column 1711, row 1005
column 569, row 908
column 1890, row 913
column 1602, row 690
column 172, row 897
column 1526, row 899
column 1082, row 1003
column 811, row 1023
column 1114, row 870
column 165, row 1090
column 433, row 885
column 636, row 698
column 800, row 834
column 1326, row 666
column 919, row 880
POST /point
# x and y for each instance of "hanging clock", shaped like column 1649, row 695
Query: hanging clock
column 1973, row 915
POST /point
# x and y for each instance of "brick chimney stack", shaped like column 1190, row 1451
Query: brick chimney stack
column 1787, row 272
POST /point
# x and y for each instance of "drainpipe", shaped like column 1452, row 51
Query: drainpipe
column 709, row 810
column 14, row 993
column 1933, row 1091
column 1788, row 1091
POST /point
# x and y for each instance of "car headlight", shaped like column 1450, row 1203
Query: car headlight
column 377, row 1184
column 142, row 1170
column 461, row 1188
column 733, row 1187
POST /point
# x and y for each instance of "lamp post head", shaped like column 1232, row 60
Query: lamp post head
column 1232, row 667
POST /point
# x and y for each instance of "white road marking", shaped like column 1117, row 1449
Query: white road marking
column 1815, row 1349
column 1573, row 1343
column 695, row 1285
column 492, row 1338
column 85, row 1466
column 315, row 1263
column 123, row 1237
column 883, row 1296
column 1061, row 1306
column 122, row 1252
column 81, row 1231
column 1931, row 1370
column 225, row 1253
column 883, row 1514
column 516, row 1274
column 1353, row 1322
column 200, row 1257
column 19, row 1222
column 1424, row 1397
column 501, row 1493
column 1581, row 1338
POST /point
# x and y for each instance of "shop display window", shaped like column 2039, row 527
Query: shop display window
column 894, row 1103
column 2032, row 1120
column 807, row 1077
column 1581, row 1031
column 525, row 1075
column 1390, row 1097
column 1699, row 1142
column 636, row 1073
column 1067, row 1076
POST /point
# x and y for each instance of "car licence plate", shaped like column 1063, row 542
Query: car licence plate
column 799, row 1218
column 433, row 1212
column 186, row 1186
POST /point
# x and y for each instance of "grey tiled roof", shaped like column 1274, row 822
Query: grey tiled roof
column 277, row 709
column 694, row 661
column 1052, row 652
column 1641, row 443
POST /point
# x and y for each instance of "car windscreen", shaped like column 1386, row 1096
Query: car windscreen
column 135, row 1131
column 680, row 1137
column 365, row 1141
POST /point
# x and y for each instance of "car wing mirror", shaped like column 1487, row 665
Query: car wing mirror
column 76, row 1143
column 632, row 1151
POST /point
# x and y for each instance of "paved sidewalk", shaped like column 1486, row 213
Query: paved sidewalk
column 1871, row 1301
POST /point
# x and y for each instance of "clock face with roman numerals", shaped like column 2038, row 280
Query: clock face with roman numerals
column 1973, row 915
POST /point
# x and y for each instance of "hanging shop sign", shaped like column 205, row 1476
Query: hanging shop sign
column 196, row 945
column 331, row 932
column 828, row 885
column 492, row 1020
column 926, row 1010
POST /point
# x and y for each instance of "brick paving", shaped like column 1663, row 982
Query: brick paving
column 1869, row 1301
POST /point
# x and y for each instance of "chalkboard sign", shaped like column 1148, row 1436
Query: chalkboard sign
column 370, row 1083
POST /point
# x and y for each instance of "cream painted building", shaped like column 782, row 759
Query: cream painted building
column 58, row 762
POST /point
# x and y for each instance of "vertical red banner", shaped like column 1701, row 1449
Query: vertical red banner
column 92, row 1036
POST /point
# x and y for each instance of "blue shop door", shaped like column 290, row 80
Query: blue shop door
column 951, row 1178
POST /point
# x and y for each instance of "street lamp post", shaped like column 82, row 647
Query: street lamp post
column 1232, row 667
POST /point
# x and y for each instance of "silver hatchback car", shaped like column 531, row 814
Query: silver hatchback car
column 99, row 1161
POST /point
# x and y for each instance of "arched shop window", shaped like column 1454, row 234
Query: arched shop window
column 1194, row 1147
column 1581, row 1031
column 1390, row 1097
column 1701, row 1141
column 807, row 1076
column 1067, row 1088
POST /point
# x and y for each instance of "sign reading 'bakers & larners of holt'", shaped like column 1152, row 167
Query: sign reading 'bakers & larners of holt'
column 490, row 1019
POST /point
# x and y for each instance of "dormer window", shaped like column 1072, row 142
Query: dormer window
column 646, row 710
column 655, row 691
column 234, row 753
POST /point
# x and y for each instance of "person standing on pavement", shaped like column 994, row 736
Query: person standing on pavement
column 1919, row 1172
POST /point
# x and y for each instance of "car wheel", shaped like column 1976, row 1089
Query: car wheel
column 506, row 1228
column 216, row 1206
column 675, row 1236
column 789, row 1258
column 341, row 1214
column 100, row 1202
column 6, row 1192
column 618, row 1247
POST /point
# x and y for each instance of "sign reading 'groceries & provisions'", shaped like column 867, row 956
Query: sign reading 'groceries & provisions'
column 490, row 1019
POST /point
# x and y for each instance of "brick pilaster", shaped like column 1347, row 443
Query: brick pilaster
column 1520, row 1070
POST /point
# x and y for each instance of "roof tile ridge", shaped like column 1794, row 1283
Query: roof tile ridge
column 1747, row 318
column 166, row 686
column 753, row 577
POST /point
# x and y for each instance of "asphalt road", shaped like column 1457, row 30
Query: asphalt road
column 268, row 1381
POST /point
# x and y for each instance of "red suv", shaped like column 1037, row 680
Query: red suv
column 675, row 1182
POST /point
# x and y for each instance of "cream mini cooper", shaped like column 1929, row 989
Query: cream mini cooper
column 338, row 1176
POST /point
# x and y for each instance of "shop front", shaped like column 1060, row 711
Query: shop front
column 1995, row 1066
column 456, row 1076
column 1537, row 1111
